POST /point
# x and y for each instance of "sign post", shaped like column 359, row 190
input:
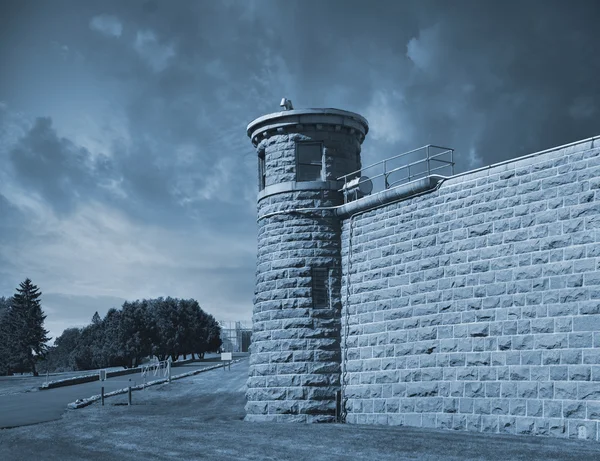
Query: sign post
column 226, row 356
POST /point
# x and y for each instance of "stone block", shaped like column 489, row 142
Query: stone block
column 518, row 407
column 551, row 341
column 413, row 419
column 567, row 390
column 588, row 391
column 574, row 410
column 506, row 424
column 586, row 323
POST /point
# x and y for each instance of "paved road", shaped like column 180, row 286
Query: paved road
column 37, row 407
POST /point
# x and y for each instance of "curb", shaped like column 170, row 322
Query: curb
column 88, row 401
column 96, row 376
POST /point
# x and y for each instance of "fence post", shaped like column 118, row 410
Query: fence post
column 169, row 369
column 129, row 395
column 385, row 175
column 102, row 395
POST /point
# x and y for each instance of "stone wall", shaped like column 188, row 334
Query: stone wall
column 477, row 306
column 295, row 361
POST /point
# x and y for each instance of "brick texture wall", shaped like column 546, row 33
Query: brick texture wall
column 477, row 306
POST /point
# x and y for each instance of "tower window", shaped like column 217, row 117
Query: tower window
column 320, row 287
column 261, row 170
column 309, row 161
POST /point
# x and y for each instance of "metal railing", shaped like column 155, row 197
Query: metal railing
column 392, row 171
column 157, row 369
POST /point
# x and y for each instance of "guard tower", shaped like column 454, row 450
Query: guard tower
column 296, row 356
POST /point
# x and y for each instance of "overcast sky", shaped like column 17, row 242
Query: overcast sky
column 125, row 170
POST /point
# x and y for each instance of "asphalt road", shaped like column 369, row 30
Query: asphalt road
column 41, row 406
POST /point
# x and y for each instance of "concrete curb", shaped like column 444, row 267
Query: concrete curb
column 85, row 402
column 96, row 376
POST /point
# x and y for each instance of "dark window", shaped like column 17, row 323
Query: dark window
column 320, row 286
column 309, row 161
column 261, row 170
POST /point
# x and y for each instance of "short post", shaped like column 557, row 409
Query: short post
column 102, row 395
column 129, row 395
column 169, row 369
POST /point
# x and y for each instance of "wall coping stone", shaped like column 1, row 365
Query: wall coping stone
column 517, row 162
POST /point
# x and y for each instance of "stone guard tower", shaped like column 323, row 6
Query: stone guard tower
column 296, row 356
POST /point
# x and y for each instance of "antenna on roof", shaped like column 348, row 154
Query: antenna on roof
column 286, row 104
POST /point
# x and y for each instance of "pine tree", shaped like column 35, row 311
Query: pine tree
column 27, row 321
column 96, row 320
column 5, row 353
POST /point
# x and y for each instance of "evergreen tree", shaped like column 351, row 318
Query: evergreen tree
column 188, row 321
column 5, row 353
column 26, row 320
column 165, row 319
column 96, row 320
column 135, row 332
column 112, row 350
column 62, row 355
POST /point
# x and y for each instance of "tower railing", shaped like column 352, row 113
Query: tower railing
column 394, row 171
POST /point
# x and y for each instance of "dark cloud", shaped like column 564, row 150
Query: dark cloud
column 462, row 74
column 494, row 80
column 11, row 222
column 525, row 64
column 60, row 171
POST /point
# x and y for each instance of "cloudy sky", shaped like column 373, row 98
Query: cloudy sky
column 125, row 170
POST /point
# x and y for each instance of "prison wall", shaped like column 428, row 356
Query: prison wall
column 476, row 306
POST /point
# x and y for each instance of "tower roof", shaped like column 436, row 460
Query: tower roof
column 289, row 118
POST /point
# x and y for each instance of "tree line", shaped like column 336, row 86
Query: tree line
column 162, row 327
